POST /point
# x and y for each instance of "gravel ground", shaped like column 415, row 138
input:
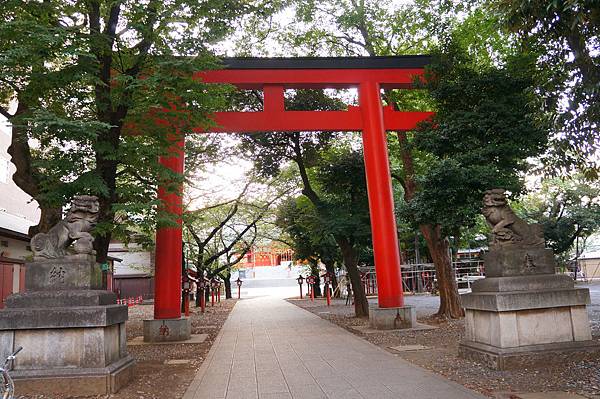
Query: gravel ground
column 578, row 373
column 153, row 378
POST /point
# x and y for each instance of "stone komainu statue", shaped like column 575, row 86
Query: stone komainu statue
column 74, row 228
column 507, row 228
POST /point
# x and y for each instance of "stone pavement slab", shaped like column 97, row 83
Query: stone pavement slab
column 271, row 349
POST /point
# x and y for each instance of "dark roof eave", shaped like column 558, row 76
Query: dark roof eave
column 385, row 62
column 14, row 234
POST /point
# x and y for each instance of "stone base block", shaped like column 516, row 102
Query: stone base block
column 59, row 350
column 73, row 272
column 75, row 382
column 53, row 299
column 519, row 262
column 69, row 361
column 167, row 330
column 62, row 317
column 392, row 318
column 523, row 283
column 525, row 300
column 527, row 327
column 526, row 356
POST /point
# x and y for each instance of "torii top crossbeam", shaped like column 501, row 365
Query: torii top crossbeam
column 274, row 75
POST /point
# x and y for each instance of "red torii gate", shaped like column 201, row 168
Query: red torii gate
column 273, row 76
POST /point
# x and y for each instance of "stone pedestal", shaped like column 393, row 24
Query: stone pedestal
column 521, row 313
column 73, row 335
column 167, row 330
column 392, row 318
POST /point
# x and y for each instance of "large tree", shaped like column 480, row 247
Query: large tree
column 366, row 27
column 76, row 76
column 564, row 35
column 220, row 234
column 482, row 133
column 272, row 151
column 338, row 223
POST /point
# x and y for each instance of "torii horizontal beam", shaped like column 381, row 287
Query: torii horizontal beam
column 274, row 75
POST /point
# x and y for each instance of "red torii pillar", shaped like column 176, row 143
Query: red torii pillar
column 381, row 199
column 169, row 243
column 272, row 76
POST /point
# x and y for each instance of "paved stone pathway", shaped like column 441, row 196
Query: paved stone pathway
column 269, row 348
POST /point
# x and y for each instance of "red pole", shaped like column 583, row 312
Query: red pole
column 239, row 291
column 300, row 291
column 312, row 292
column 328, row 294
column 219, row 294
column 167, row 291
column 212, row 297
column 381, row 201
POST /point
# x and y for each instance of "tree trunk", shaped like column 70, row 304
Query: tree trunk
column 350, row 257
column 227, row 282
column 314, row 271
column 436, row 244
column 49, row 217
column 450, row 305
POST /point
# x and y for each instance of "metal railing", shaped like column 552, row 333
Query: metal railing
column 421, row 277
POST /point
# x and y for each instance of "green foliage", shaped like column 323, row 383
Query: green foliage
column 479, row 138
column 568, row 210
column 297, row 218
column 564, row 36
column 343, row 211
column 91, row 79
column 270, row 151
column 340, row 180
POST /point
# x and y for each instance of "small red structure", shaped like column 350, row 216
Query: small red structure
column 327, row 280
column 273, row 76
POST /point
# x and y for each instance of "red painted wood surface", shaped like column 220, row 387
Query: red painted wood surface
column 6, row 281
column 22, row 278
column 370, row 118
column 381, row 200
column 167, row 273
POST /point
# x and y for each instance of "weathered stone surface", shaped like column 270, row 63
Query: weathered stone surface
column 521, row 357
column 392, row 318
column 72, row 333
column 66, row 317
column 75, row 382
column 519, row 262
column 74, row 229
column 508, row 230
column 73, row 272
column 522, row 311
column 524, row 300
column 527, row 327
column 167, row 330
column 52, row 299
column 523, row 283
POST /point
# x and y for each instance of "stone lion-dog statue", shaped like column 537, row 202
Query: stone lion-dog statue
column 507, row 228
column 74, row 228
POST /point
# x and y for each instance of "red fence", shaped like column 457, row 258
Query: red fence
column 12, row 280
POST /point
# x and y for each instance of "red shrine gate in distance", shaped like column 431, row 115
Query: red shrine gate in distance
column 273, row 76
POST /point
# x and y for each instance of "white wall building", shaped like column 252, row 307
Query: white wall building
column 17, row 210
column 17, row 213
